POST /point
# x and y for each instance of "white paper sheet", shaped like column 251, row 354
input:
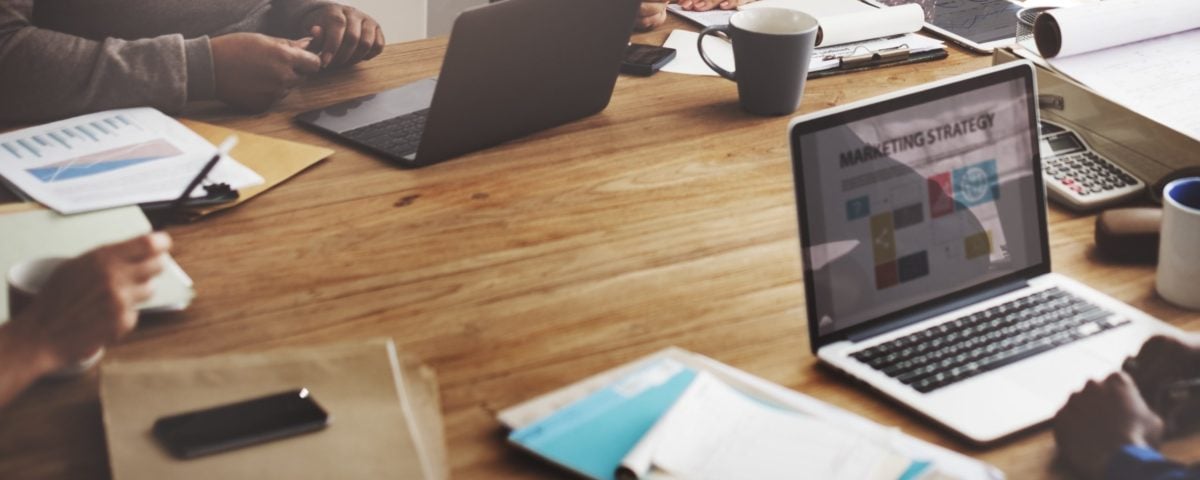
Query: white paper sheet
column 703, row 19
column 715, row 432
column 846, row 21
column 1157, row 78
column 687, row 57
column 1098, row 26
column 111, row 158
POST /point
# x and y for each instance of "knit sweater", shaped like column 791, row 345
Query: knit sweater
column 60, row 58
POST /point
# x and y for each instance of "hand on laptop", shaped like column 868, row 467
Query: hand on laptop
column 1163, row 360
column 652, row 14
column 706, row 5
column 343, row 35
column 254, row 71
column 1100, row 419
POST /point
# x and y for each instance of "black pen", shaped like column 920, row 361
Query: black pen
column 222, row 151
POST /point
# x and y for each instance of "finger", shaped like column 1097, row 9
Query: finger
column 349, row 43
column 139, row 294
column 141, row 248
column 728, row 5
column 686, row 4
column 303, row 61
column 377, row 48
column 702, row 6
column 651, row 9
column 146, row 271
column 335, row 29
column 365, row 43
column 302, row 43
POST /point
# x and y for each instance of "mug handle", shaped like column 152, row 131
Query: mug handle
column 708, row 61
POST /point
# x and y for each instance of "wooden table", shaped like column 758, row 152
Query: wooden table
column 668, row 219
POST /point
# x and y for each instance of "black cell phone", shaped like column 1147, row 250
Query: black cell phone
column 644, row 60
column 240, row 424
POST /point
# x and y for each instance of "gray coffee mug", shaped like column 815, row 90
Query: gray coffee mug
column 771, row 51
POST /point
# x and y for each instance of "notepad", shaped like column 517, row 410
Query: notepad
column 384, row 414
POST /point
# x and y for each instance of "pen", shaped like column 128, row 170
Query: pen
column 222, row 151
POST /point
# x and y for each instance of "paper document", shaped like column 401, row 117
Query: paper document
column 712, row 17
column 1144, row 55
column 845, row 21
column 110, row 159
column 945, row 463
column 687, row 57
column 716, row 432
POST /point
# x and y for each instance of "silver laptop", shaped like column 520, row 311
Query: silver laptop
column 511, row 69
column 926, row 261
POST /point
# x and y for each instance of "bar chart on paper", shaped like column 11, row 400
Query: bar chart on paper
column 68, row 140
column 109, row 159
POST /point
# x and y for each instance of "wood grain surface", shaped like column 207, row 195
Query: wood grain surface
column 667, row 219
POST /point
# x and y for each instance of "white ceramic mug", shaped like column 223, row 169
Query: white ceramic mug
column 1178, row 278
column 25, row 280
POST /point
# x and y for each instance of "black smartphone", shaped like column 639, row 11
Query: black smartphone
column 235, row 425
column 644, row 60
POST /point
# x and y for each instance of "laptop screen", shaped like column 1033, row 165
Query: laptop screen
column 911, row 201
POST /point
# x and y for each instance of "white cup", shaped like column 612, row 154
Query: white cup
column 25, row 280
column 1178, row 278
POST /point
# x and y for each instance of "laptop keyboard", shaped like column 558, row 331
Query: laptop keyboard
column 970, row 345
column 398, row 136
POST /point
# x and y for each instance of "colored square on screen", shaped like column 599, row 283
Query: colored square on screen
column 976, row 184
column 857, row 208
column 913, row 266
column 883, row 238
column 886, row 275
column 908, row 216
column 977, row 245
column 940, row 200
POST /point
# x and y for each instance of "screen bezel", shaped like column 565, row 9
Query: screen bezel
column 1018, row 71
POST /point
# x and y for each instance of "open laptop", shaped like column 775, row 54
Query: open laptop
column 926, row 261
column 512, row 68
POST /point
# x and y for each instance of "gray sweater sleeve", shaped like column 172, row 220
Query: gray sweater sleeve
column 49, row 75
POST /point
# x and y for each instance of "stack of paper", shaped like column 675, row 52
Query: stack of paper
column 110, row 159
column 384, row 414
column 680, row 415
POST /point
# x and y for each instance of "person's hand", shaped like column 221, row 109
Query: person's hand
column 253, row 71
column 652, row 14
column 91, row 300
column 343, row 35
column 1098, row 420
column 1163, row 360
column 706, row 5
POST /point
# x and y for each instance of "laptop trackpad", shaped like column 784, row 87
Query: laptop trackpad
column 375, row 108
column 1056, row 375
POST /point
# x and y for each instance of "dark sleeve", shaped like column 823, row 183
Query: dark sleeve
column 49, row 75
column 1143, row 463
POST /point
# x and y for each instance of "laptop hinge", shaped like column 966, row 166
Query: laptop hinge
column 906, row 320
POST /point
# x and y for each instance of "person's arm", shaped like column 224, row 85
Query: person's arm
column 88, row 302
column 49, row 75
column 1145, row 463
column 651, row 14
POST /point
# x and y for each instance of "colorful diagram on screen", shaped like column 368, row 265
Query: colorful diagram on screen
column 947, row 192
column 106, row 161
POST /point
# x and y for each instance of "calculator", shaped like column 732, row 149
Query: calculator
column 1079, row 178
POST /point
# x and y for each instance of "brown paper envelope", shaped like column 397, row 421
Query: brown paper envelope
column 370, row 434
column 276, row 160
